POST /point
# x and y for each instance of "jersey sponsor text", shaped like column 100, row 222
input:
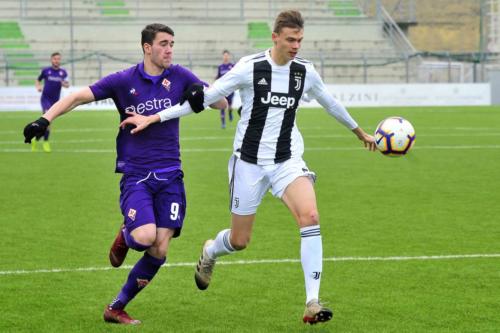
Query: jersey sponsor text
column 153, row 104
column 278, row 99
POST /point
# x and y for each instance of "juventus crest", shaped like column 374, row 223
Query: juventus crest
column 298, row 81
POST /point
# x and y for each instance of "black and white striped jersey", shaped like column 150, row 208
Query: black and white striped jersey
column 267, row 132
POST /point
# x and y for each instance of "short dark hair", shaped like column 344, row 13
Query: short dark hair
column 226, row 51
column 288, row 19
column 149, row 32
column 55, row 54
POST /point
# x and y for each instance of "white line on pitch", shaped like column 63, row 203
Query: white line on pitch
column 230, row 138
column 228, row 150
column 114, row 129
column 260, row 261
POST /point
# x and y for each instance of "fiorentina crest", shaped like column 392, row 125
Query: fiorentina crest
column 166, row 84
column 131, row 214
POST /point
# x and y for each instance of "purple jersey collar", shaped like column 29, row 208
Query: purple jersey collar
column 153, row 78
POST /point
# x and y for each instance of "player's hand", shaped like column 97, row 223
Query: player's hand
column 35, row 129
column 195, row 96
column 139, row 121
column 368, row 140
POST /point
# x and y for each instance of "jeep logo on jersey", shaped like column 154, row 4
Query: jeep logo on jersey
column 278, row 99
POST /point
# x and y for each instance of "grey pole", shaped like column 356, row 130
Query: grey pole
column 407, row 68
column 100, row 64
column 378, row 9
column 449, row 66
column 71, row 43
column 482, row 35
column 7, row 73
column 365, row 70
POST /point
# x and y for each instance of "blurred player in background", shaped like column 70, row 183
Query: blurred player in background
column 152, row 198
column 54, row 78
column 223, row 68
column 268, row 149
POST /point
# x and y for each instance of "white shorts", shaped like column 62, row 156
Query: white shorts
column 249, row 182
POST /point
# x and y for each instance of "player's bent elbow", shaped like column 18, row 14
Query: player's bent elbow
column 82, row 96
column 220, row 104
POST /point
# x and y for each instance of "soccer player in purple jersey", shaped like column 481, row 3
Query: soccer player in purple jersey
column 222, row 69
column 152, row 199
column 54, row 78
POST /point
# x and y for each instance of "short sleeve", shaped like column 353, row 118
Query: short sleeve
column 42, row 75
column 105, row 87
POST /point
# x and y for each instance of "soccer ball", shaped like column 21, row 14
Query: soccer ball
column 394, row 136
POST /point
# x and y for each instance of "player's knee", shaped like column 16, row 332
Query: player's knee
column 160, row 247
column 144, row 237
column 309, row 218
column 158, row 251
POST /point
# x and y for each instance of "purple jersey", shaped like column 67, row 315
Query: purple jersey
column 53, row 78
column 223, row 69
column 157, row 148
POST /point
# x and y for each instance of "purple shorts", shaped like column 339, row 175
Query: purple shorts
column 47, row 103
column 154, row 197
column 230, row 99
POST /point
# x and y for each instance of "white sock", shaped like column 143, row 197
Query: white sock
column 311, row 256
column 221, row 246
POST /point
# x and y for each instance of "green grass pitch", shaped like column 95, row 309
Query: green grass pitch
column 60, row 211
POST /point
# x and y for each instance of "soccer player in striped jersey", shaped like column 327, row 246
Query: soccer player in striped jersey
column 268, row 150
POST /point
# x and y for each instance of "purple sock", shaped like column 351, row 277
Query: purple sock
column 46, row 135
column 222, row 116
column 139, row 277
column 131, row 243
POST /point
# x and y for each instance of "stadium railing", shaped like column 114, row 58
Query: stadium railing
column 151, row 9
column 336, row 67
column 345, row 59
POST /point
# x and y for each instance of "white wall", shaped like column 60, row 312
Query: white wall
column 366, row 95
column 410, row 94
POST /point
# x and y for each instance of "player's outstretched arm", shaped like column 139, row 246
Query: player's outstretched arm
column 197, row 100
column 141, row 122
column 38, row 127
column 338, row 111
column 195, row 97
column 68, row 103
